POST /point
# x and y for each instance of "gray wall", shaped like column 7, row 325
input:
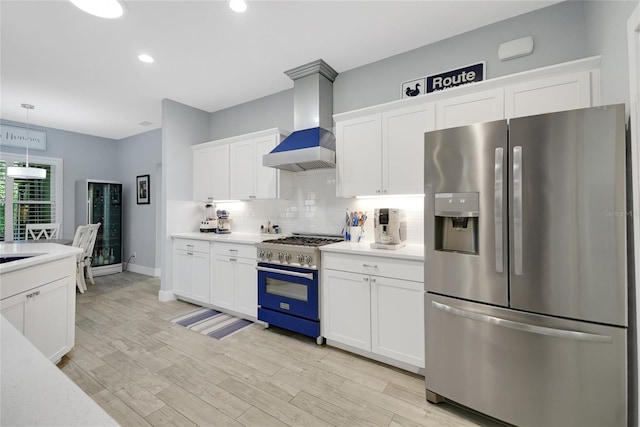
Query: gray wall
column 182, row 126
column 558, row 32
column 140, row 155
column 271, row 111
column 84, row 157
column 607, row 35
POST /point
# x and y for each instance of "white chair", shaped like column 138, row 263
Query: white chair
column 43, row 231
column 88, row 249
column 79, row 239
column 85, row 238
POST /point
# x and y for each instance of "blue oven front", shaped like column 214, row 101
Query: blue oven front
column 288, row 298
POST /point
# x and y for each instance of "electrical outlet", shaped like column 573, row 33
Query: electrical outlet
column 134, row 254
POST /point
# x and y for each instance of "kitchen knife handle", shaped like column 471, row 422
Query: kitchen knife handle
column 517, row 210
column 498, row 207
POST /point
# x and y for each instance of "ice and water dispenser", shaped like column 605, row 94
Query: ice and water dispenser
column 456, row 222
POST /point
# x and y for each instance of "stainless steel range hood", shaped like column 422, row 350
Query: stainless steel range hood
column 311, row 145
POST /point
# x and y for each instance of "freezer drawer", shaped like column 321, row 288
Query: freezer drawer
column 526, row 369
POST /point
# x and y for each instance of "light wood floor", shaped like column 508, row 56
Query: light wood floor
column 144, row 370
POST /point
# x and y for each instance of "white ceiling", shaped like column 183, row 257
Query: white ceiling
column 83, row 75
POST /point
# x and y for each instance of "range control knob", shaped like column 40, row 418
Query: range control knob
column 261, row 254
column 268, row 255
column 301, row 259
column 280, row 256
column 287, row 257
column 307, row 260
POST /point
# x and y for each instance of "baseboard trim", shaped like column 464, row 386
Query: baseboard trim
column 166, row 296
column 141, row 269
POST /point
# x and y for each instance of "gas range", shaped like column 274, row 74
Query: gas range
column 298, row 250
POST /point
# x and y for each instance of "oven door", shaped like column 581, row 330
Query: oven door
column 288, row 290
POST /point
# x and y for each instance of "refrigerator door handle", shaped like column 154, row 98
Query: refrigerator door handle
column 497, row 207
column 525, row 327
column 517, row 209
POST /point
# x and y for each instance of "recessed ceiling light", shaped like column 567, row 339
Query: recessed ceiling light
column 102, row 8
column 238, row 5
column 145, row 58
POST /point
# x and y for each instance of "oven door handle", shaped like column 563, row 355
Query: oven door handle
column 308, row 276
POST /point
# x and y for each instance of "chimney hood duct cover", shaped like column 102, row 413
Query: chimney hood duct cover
column 310, row 146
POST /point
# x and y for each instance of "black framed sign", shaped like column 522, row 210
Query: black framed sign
column 142, row 189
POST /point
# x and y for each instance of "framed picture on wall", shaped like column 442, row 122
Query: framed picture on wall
column 142, row 186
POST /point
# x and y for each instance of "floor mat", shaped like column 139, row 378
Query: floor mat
column 211, row 322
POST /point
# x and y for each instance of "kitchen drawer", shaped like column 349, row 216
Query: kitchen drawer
column 191, row 245
column 377, row 266
column 235, row 249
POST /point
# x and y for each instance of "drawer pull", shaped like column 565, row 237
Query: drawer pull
column 189, row 246
column 370, row 265
column 233, row 250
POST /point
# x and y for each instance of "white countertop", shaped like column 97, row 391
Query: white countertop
column 248, row 238
column 409, row 252
column 33, row 391
column 44, row 252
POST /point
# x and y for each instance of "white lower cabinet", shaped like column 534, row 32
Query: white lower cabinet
column 235, row 280
column 45, row 313
column 364, row 309
column 346, row 316
column 397, row 319
column 191, row 269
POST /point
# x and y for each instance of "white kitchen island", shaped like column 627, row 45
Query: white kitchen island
column 38, row 294
column 37, row 327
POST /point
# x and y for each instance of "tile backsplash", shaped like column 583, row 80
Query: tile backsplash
column 314, row 208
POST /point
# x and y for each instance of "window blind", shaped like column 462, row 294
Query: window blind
column 30, row 201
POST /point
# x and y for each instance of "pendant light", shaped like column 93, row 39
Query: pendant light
column 27, row 172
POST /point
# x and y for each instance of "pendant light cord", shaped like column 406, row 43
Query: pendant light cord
column 28, row 107
column 27, row 136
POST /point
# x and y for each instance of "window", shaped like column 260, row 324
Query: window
column 29, row 201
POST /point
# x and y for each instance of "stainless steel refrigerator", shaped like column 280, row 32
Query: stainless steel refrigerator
column 99, row 201
column 526, row 268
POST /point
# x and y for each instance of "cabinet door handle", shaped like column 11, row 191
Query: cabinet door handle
column 189, row 253
column 233, row 259
column 366, row 279
column 233, row 250
column 373, row 280
column 33, row 294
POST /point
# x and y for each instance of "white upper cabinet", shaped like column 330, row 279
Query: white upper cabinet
column 220, row 172
column 243, row 165
column 559, row 93
column 249, row 179
column 403, row 148
column 383, row 153
column 359, row 152
column 268, row 182
column 231, row 168
column 470, row 108
column 211, row 173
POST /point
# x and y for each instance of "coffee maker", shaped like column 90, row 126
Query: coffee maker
column 224, row 223
column 210, row 223
column 389, row 228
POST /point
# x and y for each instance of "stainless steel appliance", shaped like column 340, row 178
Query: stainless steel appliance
column 389, row 228
column 99, row 201
column 526, row 268
column 224, row 222
column 311, row 145
column 210, row 222
column 288, row 282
